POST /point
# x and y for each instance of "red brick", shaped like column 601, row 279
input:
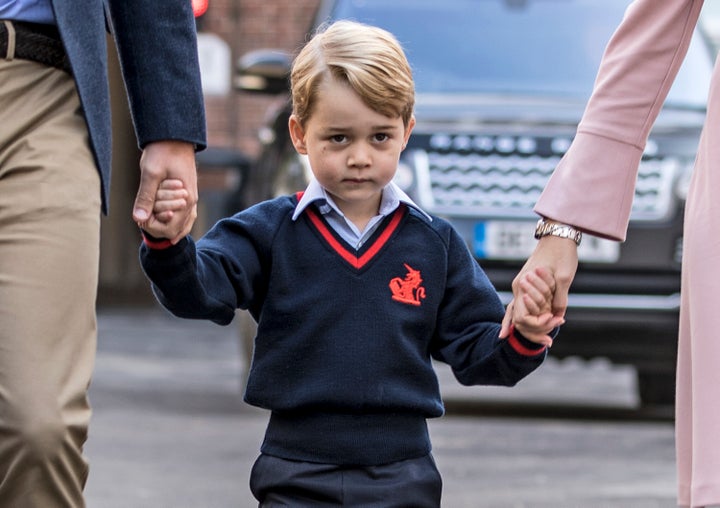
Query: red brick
column 233, row 121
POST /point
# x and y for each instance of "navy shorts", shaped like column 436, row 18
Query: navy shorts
column 413, row 483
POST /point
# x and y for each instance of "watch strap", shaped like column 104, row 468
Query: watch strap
column 545, row 228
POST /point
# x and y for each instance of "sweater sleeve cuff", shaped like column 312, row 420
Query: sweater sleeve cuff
column 524, row 346
column 155, row 243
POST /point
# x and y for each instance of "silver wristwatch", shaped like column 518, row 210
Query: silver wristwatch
column 545, row 228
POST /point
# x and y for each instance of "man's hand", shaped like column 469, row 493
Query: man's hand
column 559, row 257
column 163, row 160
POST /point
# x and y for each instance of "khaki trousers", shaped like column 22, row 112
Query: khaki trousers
column 49, row 254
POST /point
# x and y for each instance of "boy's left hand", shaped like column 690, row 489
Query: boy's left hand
column 532, row 313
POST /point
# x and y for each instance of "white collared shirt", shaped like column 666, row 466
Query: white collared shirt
column 392, row 196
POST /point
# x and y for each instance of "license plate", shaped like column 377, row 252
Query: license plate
column 513, row 240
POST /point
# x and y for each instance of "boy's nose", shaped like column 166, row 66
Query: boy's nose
column 359, row 156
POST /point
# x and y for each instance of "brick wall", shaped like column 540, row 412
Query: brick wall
column 232, row 123
column 246, row 25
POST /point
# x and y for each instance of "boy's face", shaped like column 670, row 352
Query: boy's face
column 353, row 150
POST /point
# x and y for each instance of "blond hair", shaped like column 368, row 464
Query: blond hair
column 369, row 59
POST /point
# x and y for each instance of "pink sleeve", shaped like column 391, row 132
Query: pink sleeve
column 593, row 185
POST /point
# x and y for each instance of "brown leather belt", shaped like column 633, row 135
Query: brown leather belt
column 37, row 42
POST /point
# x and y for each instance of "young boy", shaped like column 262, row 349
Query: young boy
column 354, row 289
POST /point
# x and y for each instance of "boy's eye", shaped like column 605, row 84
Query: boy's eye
column 381, row 136
column 338, row 138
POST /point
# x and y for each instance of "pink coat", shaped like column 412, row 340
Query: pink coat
column 592, row 188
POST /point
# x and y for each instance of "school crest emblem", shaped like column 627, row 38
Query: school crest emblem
column 408, row 290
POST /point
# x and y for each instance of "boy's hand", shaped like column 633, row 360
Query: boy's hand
column 532, row 313
column 559, row 257
column 171, row 197
column 160, row 161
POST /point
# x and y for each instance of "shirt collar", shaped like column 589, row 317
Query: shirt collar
column 391, row 199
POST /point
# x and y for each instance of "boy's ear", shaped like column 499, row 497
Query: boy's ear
column 297, row 135
column 408, row 130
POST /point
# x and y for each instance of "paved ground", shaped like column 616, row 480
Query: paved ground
column 170, row 429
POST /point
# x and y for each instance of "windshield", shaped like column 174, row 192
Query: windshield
column 527, row 47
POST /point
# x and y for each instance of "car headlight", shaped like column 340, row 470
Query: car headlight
column 404, row 176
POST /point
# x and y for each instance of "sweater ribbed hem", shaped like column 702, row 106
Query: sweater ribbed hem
column 360, row 440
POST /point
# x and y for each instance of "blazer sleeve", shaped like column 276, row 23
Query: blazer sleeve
column 157, row 47
column 593, row 186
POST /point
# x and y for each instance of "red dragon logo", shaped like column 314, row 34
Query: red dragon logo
column 408, row 290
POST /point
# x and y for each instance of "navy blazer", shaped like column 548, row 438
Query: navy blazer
column 157, row 47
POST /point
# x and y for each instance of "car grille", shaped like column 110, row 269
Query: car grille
column 504, row 176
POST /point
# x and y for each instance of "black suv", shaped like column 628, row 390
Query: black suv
column 501, row 86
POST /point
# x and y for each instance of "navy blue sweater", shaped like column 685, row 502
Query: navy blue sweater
column 345, row 338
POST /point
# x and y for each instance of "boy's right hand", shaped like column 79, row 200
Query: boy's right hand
column 165, row 160
column 171, row 197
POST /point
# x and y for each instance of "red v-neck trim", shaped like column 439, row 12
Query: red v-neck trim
column 355, row 261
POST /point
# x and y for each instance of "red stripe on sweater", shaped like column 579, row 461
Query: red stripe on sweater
column 159, row 244
column 520, row 348
column 345, row 253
